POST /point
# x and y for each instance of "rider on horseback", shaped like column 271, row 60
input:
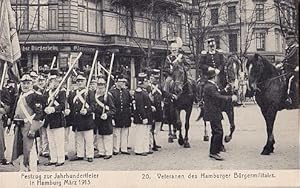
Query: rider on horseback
column 213, row 59
column 290, row 65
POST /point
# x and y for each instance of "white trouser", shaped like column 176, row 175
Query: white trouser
column 156, row 132
column 141, row 138
column 131, row 136
column 67, row 140
column 105, row 144
column 44, row 144
column 32, row 160
column 120, row 139
column 85, row 143
column 56, row 139
column 95, row 140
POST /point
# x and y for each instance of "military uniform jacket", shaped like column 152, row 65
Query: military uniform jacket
column 158, row 95
column 291, row 58
column 212, row 102
column 171, row 63
column 56, row 119
column 214, row 60
column 104, row 127
column 122, row 101
column 141, row 106
column 76, row 100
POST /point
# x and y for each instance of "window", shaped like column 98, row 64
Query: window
column 232, row 42
column 214, row 16
column 232, row 14
column 22, row 18
column 260, row 41
column 53, row 19
column 259, row 10
column 89, row 16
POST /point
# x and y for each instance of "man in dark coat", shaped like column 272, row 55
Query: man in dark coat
column 212, row 112
column 81, row 107
column 55, row 121
column 104, row 112
column 122, row 117
column 28, row 119
column 142, row 116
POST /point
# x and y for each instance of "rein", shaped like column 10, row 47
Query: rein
column 274, row 78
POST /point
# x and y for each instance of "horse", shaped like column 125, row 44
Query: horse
column 270, row 93
column 184, row 88
column 230, row 78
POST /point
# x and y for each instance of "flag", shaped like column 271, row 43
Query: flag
column 9, row 42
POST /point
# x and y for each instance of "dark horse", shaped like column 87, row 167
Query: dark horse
column 228, row 77
column 184, row 89
column 270, row 92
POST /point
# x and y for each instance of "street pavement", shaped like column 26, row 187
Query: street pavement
column 243, row 152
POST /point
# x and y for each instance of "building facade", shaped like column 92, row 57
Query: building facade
column 62, row 28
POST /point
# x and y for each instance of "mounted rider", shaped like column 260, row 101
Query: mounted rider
column 212, row 59
column 290, row 66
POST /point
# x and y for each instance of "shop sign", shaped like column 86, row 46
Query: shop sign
column 39, row 48
column 78, row 48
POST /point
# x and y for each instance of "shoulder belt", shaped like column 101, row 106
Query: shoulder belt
column 79, row 96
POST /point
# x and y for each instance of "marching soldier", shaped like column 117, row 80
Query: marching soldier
column 104, row 111
column 122, row 117
column 28, row 119
column 213, row 113
column 93, row 88
column 82, row 108
column 142, row 116
column 55, row 121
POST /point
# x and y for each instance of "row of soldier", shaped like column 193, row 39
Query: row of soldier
column 100, row 122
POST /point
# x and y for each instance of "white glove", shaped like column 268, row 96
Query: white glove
column 145, row 121
column 83, row 111
column 279, row 65
column 49, row 110
column 153, row 108
column 113, row 122
column 296, row 69
column 234, row 98
column 174, row 96
column 67, row 112
column 217, row 71
column 104, row 116
column 210, row 69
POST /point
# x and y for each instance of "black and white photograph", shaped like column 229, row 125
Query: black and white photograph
column 149, row 93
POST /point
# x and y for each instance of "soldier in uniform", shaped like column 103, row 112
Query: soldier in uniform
column 213, row 114
column 44, row 144
column 122, row 117
column 5, row 103
column 290, row 66
column 156, row 94
column 142, row 116
column 28, row 119
column 81, row 107
column 35, row 78
column 104, row 111
column 55, row 120
column 212, row 59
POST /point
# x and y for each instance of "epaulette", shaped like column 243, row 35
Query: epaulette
column 220, row 50
column 203, row 52
column 63, row 89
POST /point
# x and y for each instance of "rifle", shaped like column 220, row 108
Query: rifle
column 108, row 80
column 90, row 79
column 63, row 80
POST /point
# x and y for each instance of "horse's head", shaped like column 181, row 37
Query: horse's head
column 179, row 78
column 255, row 69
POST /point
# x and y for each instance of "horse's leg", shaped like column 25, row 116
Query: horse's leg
column 187, row 127
column 178, row 126
column 170, row 139
column 230, row 115
column 270, row 116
